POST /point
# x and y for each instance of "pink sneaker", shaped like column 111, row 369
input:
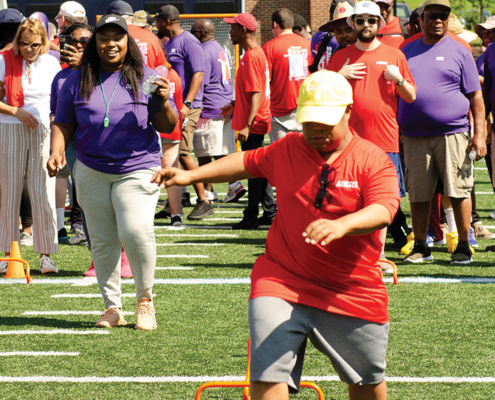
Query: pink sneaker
column 91, row 270
column 125, row 267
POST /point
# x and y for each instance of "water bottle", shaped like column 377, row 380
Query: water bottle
column 162, row 71
column 467, row 167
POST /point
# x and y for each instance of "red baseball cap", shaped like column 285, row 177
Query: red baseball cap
column 244, row 19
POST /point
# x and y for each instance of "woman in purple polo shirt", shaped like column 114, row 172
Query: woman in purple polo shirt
column 113, row 126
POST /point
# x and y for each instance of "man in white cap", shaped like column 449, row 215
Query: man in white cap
column 319, row 277
column 70, row 12
column 378, row 74
column 392, row 34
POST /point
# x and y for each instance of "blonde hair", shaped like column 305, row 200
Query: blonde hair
column 36, row 28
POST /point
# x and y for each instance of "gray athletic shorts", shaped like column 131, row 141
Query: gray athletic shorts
column 279, row 332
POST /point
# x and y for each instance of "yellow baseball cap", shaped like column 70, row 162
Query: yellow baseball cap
column 323, row 98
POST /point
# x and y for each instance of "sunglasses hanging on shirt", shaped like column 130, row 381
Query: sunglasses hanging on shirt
column 327, row 177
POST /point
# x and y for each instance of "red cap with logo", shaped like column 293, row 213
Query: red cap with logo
column 246, row 20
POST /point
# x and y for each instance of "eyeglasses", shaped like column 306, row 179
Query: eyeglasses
column 326, row 178
column 84, row 40
column 482, row 32
column 34, row 46
column 435, row 16
column 361, row 21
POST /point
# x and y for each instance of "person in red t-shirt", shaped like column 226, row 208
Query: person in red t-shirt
column 251, row 114
column 288, row 56
column 377, row 74
column 391, row 34
column 319, row 277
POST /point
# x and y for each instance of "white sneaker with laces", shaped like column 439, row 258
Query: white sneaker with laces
column 3, row 267
column 47, row 266
column 212, row 196
column 236, row 191
column 492, row 215
column 26, row 239
column 79, row 239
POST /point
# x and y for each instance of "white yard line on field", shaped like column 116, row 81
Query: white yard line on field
column 69, row 313
column 55, row 332
column 175, row 268
column 199, row 379
column 226, row 235
column 180, row 256
column 38, row 353
column 89, row 295
column 190, row 244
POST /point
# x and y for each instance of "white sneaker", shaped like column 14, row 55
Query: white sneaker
column 3, row 267
column 47, row 266
column 236, row 191
column 26, row 239
column 212, row 196
column 79, row 239
column 492, row 215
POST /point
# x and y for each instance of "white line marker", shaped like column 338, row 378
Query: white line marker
column 185, row 379
column 180, row 256
column 38, row 353
column 86, row 281
column 477, row 168
column 226, row 235
column 190, row 244
column 221, row 219
column 228, row 212
column 55, row 332
column 90, row 295
column 175, row 268
column 69, row 313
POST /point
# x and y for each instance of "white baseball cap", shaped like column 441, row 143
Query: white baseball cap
column 71, row 9
column 367, row 7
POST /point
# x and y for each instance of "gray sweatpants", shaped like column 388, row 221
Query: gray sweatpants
column 119, row 211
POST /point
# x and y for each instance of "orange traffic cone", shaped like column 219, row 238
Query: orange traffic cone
column 15, row 269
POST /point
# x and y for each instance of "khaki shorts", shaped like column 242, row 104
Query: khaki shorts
column 428, row 158
column 186, row 145
column 213, row 137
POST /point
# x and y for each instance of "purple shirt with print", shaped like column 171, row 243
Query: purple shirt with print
column 444, row 74
column 185, row 54
column 218, row 89
column 129, row 143
column 327, row 54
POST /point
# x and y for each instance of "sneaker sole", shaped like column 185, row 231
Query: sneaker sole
column 195, row 217
column 462, row 262
column 429, row 258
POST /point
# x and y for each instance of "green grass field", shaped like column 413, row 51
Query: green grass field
column 442, row 343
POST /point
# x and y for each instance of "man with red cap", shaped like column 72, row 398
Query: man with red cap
column 251, row 114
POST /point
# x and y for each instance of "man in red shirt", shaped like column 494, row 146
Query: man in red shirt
column 319, row 277
column 379, row 73
column 288, row 56
column 251, row 114
column 391, row 34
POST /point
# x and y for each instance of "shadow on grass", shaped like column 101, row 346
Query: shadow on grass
column 48, row 322
column 239, row 241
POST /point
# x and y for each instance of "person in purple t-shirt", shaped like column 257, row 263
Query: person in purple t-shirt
column 213, row 137
column 185, row 54
column 436, row 131
column 113, row 125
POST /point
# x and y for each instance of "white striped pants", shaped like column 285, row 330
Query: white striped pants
column 25, row 153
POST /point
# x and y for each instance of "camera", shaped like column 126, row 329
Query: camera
column 65, row 41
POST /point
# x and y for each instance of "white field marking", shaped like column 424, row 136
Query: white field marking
column 55, row 332
column 190, row 244
column 197, row 227
column 229, row 212
column 86, row 281
column 226, row 235
column 180, row 256
column 236, row 281
column 70, row 313
column 38, row 353
column 222, row 219
column 198, row 379
column 90, row 295
column 175, row 268
column 484, row 193
column 481, row 168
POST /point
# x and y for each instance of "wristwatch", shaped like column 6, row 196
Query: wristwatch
column 188, row 104
column 401, row 82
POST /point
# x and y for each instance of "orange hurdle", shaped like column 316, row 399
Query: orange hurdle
column 396, row 279
column 246, row 383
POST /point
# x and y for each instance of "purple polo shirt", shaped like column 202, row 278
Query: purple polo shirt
column 129, row 143
column 218, row 89
column 444, row 74
column 490, row 74
column 185, row 54
column 57, row 83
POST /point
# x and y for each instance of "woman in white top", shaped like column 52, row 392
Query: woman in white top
column 26, row 73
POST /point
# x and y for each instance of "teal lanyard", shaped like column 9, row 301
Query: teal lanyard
column 106, row 120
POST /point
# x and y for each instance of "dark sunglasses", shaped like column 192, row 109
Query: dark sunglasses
column 326, row 178
column 485, row 32
column 84, row 40
column 361, row 21
column 435, row 16
column 34, row 46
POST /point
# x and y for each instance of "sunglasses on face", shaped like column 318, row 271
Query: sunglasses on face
column 370, row 21
column 326, row 178
column 34, row 46
column 435, row 16
column 486, row 32
column 84, row 40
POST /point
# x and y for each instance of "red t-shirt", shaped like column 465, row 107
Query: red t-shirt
column 344, row 276
column 176, row 91
column 393, row 33
column 288, row 58
column 420, row 35
column 374, row 113
column 252, row 77
column 150, row 46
